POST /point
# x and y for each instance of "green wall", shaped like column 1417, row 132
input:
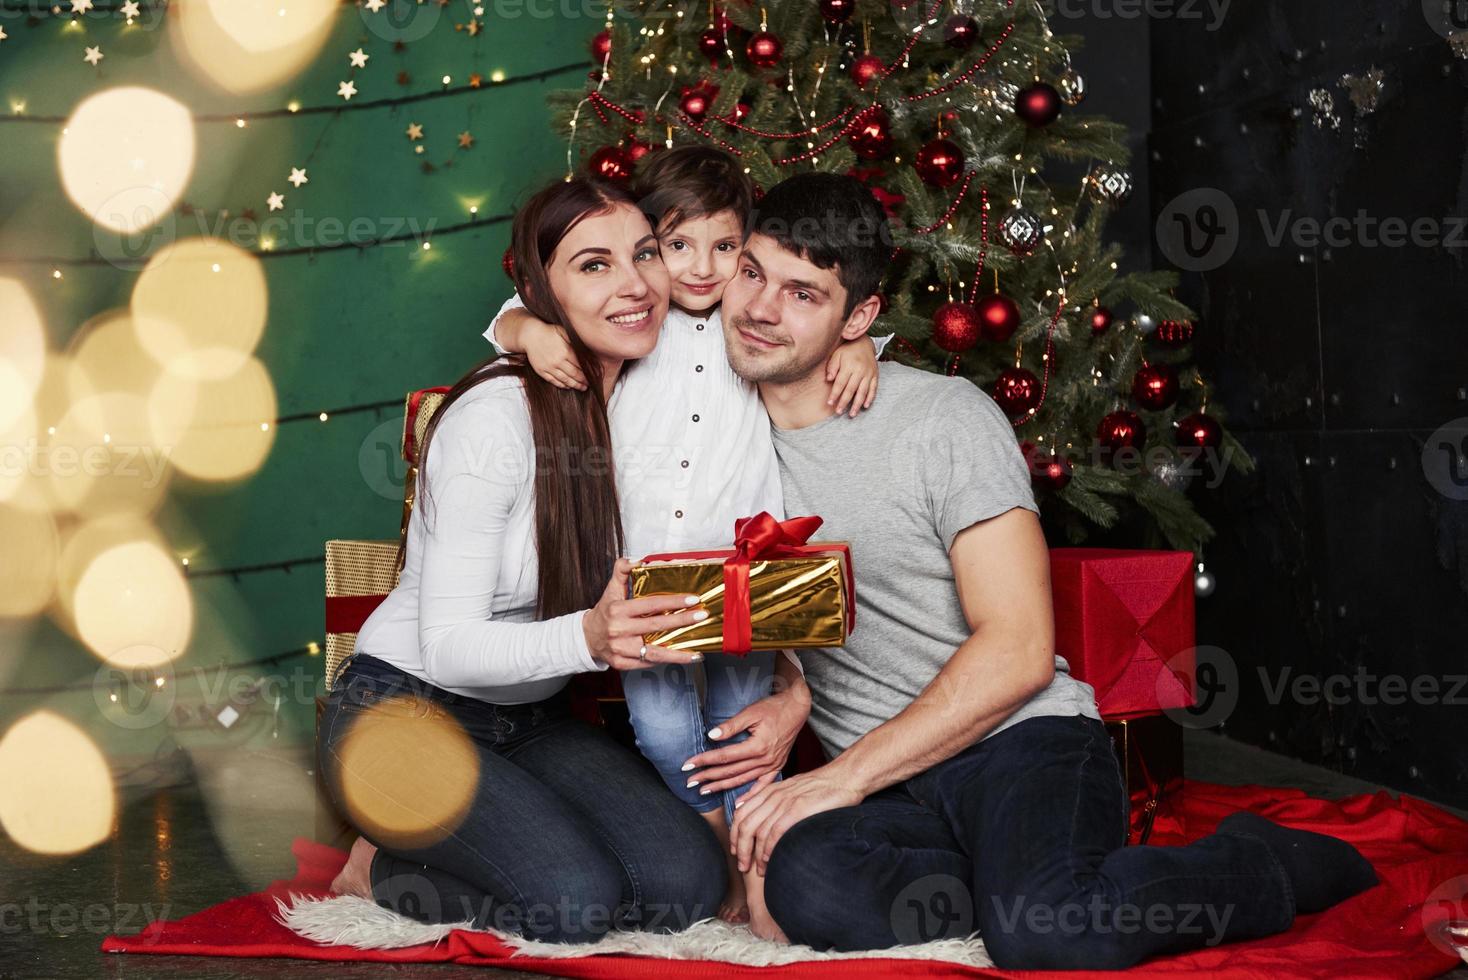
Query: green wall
column 345, row 327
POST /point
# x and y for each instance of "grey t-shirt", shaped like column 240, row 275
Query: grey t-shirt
column 932, row 456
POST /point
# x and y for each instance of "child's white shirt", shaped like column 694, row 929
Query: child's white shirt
column 690, row 439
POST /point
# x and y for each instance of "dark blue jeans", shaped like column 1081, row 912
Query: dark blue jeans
column 552, row 830
column 1019, row 837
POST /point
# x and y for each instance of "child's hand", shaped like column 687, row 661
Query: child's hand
column 852, row 370
column 550, row 354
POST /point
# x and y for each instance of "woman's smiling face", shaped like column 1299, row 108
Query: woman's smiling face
column 609, row 278
column 701, row 255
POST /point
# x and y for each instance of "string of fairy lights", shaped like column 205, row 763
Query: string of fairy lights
column 18, row 17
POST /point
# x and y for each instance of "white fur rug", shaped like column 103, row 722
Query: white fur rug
column 347, row 920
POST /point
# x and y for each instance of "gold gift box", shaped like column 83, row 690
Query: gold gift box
column 793, row 602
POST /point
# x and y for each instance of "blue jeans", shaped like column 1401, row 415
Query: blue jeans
column 1019, row 837
column 671, row 725
column 562, row 835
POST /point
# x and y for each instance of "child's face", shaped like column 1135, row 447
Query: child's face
column 701, row 255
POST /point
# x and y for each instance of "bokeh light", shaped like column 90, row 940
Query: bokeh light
column 249, row 45
column 102, row 459
column 133, row 607
column 32, row 551
column 57, row 795
column 125, row 156
column 199, row 308
column 22, row 351
column 217, row 429
column 407, row 780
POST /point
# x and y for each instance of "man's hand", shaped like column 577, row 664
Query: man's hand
column 772, row 723
column 762, row 815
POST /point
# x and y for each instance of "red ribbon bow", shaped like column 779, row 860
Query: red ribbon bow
column 760, row 536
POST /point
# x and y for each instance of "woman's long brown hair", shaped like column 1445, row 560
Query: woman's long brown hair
column 578, row 527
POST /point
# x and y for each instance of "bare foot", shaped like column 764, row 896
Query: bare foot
column 733, row 908
column 355, row 877
column 761, row 923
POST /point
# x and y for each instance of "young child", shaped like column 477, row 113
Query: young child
column 693, row 453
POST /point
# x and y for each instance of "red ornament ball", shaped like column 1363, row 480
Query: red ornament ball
column 1174, row 333
column 1100, row 320
column 601, row 46
column 1038, row 104
column 1155, row 386
column 1016, row 391
column 872, row 140
column 610, row 162
column 636, row 149
column 764, row 49
column 507, row 262
column 957, row 327
column 1198, row 431
column 711, row 43
column 999, row 316
column 939, row 163
column 697, row 100
column 1121, row 430
column 960, row 32
column 866, row 68
column 1049, row 469
column 837, row 11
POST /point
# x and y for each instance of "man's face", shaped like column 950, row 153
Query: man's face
column 782, row 314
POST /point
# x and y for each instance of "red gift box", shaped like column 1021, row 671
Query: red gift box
column 1124, row 623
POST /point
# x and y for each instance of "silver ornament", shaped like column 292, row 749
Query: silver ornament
column 1021, row 231
column 1203, row 582
column 1144, row 323
column 995, row 95
column 1171, row 474
column 1072, row 87
column 1111, row 184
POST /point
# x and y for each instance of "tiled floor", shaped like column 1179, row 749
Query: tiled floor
column 225, row 828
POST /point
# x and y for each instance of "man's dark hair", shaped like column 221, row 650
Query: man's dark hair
column 830, row 220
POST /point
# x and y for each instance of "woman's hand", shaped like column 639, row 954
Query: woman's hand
column 852, row 370
column 550, row 354
column 773, row 724
column 615, row 626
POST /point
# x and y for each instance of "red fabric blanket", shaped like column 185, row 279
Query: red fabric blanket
column 1417, row 849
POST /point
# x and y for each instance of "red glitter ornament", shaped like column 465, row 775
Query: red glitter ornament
column 610, row 162
column 1121, row 430
column 872, row 140
column 711, row 43
column 960, row 31
column 1047, row 469
column 939, row 163
column 764, row 49
column 1016, row 391
column 1100, row 320
column 1155, row 386
column 957, row 327
column 636, row 149
column 1198, row 431
column 601, row 46
column 1038, row 104
column 866, row 68
column 507, row 262
column 698, row 99
column 837, row 11
column 999, row 316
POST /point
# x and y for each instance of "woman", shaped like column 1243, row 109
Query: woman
column 447, row 739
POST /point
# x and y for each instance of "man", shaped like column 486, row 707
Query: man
column 970, row 784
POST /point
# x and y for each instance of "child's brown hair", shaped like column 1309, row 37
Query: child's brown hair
column 692, row 182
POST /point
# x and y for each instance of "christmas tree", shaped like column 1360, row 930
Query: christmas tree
column 957, row 116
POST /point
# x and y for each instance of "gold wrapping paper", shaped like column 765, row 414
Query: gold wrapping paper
column 794, row 602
